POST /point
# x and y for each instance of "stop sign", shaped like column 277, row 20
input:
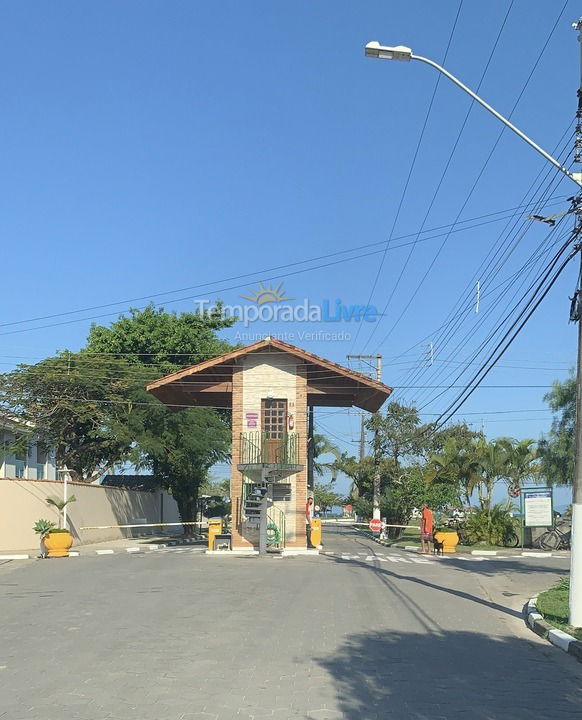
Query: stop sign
column 375, row 524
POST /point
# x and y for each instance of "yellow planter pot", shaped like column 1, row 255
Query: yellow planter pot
column 58, row 544
column 449, row 540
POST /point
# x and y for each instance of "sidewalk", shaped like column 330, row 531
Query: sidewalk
column 149, row 542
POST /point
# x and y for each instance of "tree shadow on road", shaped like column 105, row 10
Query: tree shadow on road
column 438, row 676
column 494, row 566
column 385, row 575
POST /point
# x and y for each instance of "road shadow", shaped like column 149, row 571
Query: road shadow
column 486, row 565
column 493, row 566
column 385, row 576
column 452, row 675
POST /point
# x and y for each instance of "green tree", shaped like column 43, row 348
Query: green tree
column 398, row 434
column 323, row 446
column 557, row 450
column 72, row 402
column 522, row 462
column 457, row 464
column 178, row 447
column 326, row 497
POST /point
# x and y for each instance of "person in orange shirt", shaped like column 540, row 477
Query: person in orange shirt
column 426, row 528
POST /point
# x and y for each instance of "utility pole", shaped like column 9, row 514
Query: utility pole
column 375, row 362
column 362, row 437
column 405, row 54
column 575, row 618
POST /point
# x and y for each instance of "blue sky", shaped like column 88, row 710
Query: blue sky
column 149, row 146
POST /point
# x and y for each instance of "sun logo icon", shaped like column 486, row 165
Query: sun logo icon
column 267, row 294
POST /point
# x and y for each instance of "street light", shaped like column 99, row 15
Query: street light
column 383, row 52
column 405, row 54
column 375, row 50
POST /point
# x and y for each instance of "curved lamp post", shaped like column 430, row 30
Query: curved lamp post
column 405, row 54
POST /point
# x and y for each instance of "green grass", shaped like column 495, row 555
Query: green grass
column 553, row 605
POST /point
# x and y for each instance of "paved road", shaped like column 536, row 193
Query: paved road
column 364, row 632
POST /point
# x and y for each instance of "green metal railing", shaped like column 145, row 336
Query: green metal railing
column 257, row 448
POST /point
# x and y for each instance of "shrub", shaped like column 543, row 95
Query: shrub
column 494, row 527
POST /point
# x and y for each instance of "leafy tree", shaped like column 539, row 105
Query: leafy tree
column 178, row 447
column 557, row 450
column 71, row 402
column 165, row 340
column 360, row 472
column 399, row 500
column 326, row 496
column 457, row 464
column 398, row 434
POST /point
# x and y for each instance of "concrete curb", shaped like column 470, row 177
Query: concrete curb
column 15, row 557
column 110, row 551
column 558, row 638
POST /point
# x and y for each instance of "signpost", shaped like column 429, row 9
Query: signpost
column 538, row 509
column 375, row 525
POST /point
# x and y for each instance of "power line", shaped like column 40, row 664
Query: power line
column 439, row 184
column 452, row 323
column 412, row 165
column 509, row 336
column 506, row 313
column 258, row 273
column 457, row 313
column 480, row 174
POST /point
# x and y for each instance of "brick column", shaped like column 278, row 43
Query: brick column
column 300, row 477
column 236, row 478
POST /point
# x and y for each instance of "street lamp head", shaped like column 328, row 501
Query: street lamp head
column 400, row 52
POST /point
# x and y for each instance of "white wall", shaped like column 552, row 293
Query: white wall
column 23, row 502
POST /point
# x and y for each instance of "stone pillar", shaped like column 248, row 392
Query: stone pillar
column 301, row 424
column 236, row 478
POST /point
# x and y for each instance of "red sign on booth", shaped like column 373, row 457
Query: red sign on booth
column 375, row 524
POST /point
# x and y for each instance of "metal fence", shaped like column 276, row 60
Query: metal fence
column 257, row 448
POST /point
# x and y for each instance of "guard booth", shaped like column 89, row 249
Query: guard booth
column 272, row 388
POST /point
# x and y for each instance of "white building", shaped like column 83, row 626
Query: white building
column 36, row 462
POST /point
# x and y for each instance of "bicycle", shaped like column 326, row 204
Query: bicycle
column 555, row 539
column 511, row 540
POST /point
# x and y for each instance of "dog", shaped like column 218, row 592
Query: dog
column 438, row 547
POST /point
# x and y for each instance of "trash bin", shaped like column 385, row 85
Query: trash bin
column 316, row 532
column 214, row 529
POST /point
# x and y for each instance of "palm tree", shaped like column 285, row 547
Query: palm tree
column 323, row 446
column 493, row 460
column 455, row 464
column 522, row 462
column 60, row 506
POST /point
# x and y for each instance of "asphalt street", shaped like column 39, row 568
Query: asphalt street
column 362, row 631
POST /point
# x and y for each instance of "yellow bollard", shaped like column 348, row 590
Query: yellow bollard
column 214, row 528
column 316, row 532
